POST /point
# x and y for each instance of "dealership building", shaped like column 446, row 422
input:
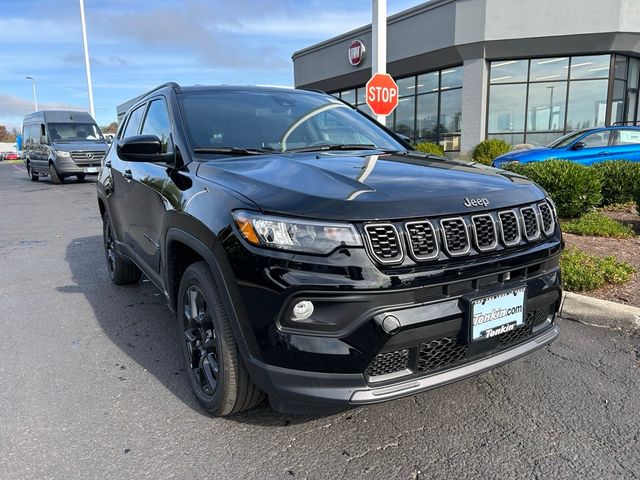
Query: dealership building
column 526, row 71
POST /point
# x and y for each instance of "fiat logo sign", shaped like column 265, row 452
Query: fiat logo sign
column 356, row 52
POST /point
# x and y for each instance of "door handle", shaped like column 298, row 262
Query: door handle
column 127, row 174
column 603, row 153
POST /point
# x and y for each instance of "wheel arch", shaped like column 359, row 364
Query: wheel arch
column 181, row 250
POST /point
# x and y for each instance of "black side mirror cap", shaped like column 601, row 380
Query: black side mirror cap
column 578, row 146
column 141, row 148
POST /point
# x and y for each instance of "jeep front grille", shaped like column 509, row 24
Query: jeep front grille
column 384, row 242
column 484, row 232
column 509, row 228
column 531, row 225
column 422, row 239
column 456, row 236
column 546, row 215
column 440, row 353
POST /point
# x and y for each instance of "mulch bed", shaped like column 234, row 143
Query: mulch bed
column 627, row 250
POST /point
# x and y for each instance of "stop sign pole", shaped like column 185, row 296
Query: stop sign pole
column 379, row 40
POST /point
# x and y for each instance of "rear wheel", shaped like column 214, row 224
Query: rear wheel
column 55, row 176
column 34, row 177
column 218, row 377
column 121, row 271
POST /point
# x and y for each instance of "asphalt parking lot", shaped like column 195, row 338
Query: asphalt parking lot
column 91, row 385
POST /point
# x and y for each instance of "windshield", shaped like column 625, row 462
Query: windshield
column 278, row 122
column 75, row 132
column 566, row 140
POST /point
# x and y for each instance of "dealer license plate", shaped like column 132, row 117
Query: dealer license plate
column 91, row 170
column 497, row 314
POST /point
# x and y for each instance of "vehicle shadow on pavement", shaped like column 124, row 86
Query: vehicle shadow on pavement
column 138, row 321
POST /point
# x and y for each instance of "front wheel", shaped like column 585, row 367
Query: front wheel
column 55, row 176
column 121, row 271
column 34, row 177
column 218, row 378
column 80, row 177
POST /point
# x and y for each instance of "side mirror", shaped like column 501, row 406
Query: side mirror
column 141, row 148
column 578, row 146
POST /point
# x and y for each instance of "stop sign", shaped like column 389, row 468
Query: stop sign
column 382, row 94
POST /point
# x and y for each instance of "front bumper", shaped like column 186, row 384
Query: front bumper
column 295, row 391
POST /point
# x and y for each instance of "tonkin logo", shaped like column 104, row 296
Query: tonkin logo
column 476, row 202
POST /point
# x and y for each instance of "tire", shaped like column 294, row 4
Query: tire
column 217, row 375
column 80, row 177
column 34, row 177
column 121, row 271
column 55, row 176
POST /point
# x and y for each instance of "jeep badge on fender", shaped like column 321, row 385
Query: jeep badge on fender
column 294, row 277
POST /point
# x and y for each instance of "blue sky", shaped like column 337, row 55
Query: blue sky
column 137, row 44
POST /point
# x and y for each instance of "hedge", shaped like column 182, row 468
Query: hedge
column 620, row 179
column 430, row 148
column 488, row 150
column 574, row 188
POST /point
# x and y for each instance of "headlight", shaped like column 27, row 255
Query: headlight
column 63, row 154
column 553, row 207
column 284, row 233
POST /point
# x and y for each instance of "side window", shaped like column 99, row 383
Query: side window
column 627, row 137
column 134, row 122
column 157, row 123
column 598, row 139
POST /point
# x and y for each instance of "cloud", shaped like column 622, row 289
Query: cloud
column 15, row 108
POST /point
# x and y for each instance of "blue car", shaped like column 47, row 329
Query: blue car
column 585, row 147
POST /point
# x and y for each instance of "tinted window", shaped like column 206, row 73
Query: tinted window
column 134, row 122
column 157, row 123
column 597, row 139
column 276, row 120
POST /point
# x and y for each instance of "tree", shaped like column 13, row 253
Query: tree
column 6, row 136
column 111, row 128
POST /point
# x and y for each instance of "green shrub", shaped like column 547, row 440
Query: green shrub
column 574, row 188
column 487, row 151
column 619, row 180
column 597, row 224
column 430, row 148
column 582, row 271
column 637, row 198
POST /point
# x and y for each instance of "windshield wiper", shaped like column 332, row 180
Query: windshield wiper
column 334, row 146
column 231, row 150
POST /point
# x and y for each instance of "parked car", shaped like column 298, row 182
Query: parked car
column 585, row 147
column 309, row 254
column 11, row 156
column 60, row 144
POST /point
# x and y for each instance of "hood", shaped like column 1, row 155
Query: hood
column 81, row 146
column 366, row 187
column 527, row 154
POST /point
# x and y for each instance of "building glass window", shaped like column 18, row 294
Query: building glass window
column 349, row 96
column 427, row 117
column 538, row 100
column 428, row 82
column 405, row 116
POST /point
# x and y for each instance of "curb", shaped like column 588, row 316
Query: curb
column 602, row 313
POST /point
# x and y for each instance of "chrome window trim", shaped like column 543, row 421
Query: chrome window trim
column 519, row 237
column 494, row 244
column 444, row 237
column 397, row 261
column 413, row 255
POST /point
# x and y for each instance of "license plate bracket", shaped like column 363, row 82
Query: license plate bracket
column 496, row 314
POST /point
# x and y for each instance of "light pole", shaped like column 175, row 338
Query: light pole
column 86, row 58
column 33, row 85
column 379, row 40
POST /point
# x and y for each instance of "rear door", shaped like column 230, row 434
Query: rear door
column 625, row 145
column 120, row 198
column 147, row 210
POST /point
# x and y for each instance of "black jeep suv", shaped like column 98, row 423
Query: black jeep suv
column 311, row 256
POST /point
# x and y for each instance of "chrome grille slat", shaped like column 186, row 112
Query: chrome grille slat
column 530, row 223
column 384, row 242
column 546, row 217
column 423, row 240
column 509, row 228
column 484, row 232
column 455, row 236
column 88, row 156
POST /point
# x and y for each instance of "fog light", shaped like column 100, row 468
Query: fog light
column 302, row 310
